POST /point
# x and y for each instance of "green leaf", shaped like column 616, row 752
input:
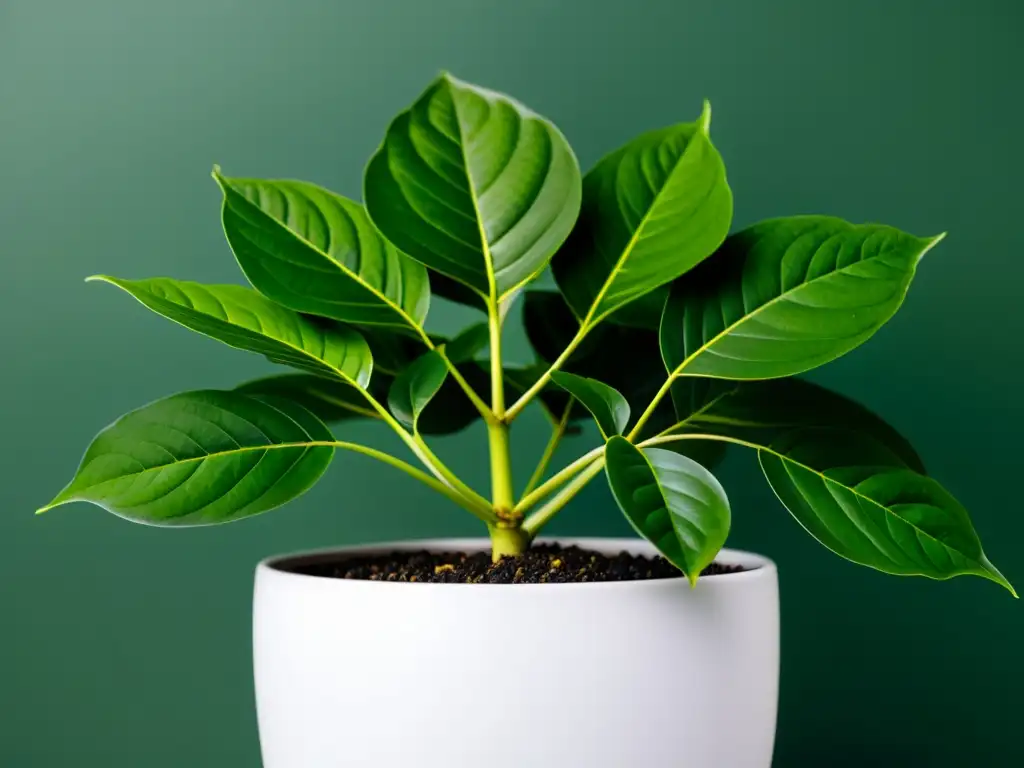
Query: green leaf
column 243, row 319
column 200, row 458
column 759, row 412
column 652, row 210
column 453, row 290
column 786, row 296
column 475, row 186
column 416, row 386
column 329, row 400
column 672, row 501
column 468, row 343
column 608, row 407
column 852, row 494
column 313, row 251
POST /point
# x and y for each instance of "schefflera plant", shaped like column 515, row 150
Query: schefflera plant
column 676, row 337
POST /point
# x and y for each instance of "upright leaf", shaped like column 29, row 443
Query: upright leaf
column 243, row 319
column 416, row 386
column 856, row 498
column 608, row 407
column 652, row 210
column 316, row 252
column 672, row 501
column 475, row 186
column 786, row 296
column 199, row 458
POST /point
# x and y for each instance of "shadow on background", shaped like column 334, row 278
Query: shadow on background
column 124, row 646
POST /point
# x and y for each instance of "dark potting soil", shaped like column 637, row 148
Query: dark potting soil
column 541, row 564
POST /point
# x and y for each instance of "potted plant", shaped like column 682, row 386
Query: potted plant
column 675, row 337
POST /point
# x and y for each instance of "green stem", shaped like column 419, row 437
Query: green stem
column 557, row 432
column 558, row 479
column 502, row 495
column 542, row 382
column 542, row 516
column 508, row 541
column 650, row 408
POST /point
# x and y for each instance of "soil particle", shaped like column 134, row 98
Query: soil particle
column 542, row 564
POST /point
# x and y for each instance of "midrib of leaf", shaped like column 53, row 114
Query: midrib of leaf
column 303, row 353
column 830, row 481
column 340, row 266
column 771, row 302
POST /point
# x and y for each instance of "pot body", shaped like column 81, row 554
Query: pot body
column 397, row 675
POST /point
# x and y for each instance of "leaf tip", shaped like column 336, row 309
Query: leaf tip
column 931, row 242
column 99, row 279
column 705, row 118
column 692, row 578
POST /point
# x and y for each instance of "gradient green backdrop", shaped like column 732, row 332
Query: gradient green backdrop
column 123, row 646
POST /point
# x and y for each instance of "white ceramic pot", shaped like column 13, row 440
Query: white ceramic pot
column 622, row 674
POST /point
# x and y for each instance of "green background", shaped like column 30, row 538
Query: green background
column 127, row 646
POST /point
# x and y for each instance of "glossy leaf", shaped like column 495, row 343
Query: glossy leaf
column 245, row 320
column 855, row 497
column 672, row 501
column 786, row 296
column 416, row 386
column 199, row 458
column 329, row 400
column 608, row 407
column 760, row 412
column 652, row 210
column 316, row 252
column 475, row 186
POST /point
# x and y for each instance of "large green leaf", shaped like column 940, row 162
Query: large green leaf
column 199, row 458
column 475, row 186
column 245, row 320
column 786, row 296
column 760, row 412
column 652, row 210
column 316, row 252
column 670, row 500
column 855, row 497
column 416, row 386
column 608, row 407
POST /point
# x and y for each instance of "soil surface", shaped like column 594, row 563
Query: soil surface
column 542, row 564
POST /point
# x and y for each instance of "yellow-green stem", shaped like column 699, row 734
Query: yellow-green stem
column 635, row 432
column 540, row 518
column 508, row 541
column 558, row 479
column 557, row 432
column 542, row 382
column 501, row 470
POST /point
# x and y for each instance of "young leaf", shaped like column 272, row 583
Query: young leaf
column 609, row 408
column 199, row 458
column 672, row 501
column 416, row 386
column 652, row 210
column 468, row 343
column 474, row 185
column 851, row 494
column 243, row 319
column 786, row 296
column 316, row 252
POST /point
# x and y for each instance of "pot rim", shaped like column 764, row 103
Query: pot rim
column 756, row 566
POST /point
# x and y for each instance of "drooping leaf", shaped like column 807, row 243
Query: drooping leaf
column 245, row 320
column 608, row 407
column 652, row 210
column 854, row 496
column 786, row 296
column 760, row 412
column 468, row 343
column 672, row 501
column 316, row 252
column 416, row 386
column 475, row 186
column 199, row 458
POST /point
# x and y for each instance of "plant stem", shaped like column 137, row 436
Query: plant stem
column 478, row 506
column 502, row 495
column 558, row 479
column 542, row 382
column 557, row 432
column 650, row 408
column 508, row 541
column 540, row 518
